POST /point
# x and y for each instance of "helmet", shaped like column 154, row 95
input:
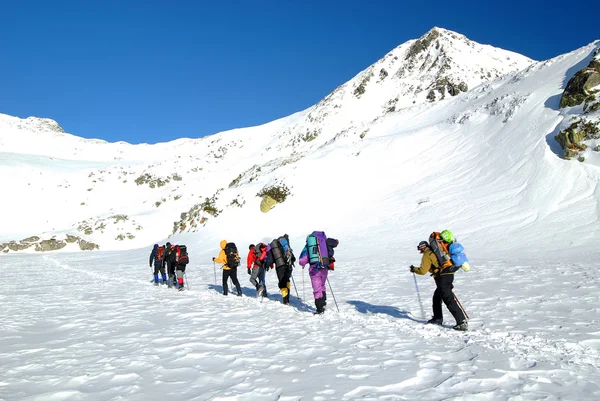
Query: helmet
column 168, row 244
column 251, row 246
column 422, row 245
column 447, row 236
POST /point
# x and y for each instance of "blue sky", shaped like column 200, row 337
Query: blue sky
column 152, row 71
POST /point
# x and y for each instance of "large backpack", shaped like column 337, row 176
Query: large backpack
column 258, row 252
column 233, row 258
column 288, row 252
column 181, row 255
column 450, row 256
column 282, row 253
column 160, row 253
column 317, row 249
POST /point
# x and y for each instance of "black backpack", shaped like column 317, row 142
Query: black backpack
column 181, row 257
column 258, row 252
column 233, row 258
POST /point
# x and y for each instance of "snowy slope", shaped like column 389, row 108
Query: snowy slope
column 483, row 163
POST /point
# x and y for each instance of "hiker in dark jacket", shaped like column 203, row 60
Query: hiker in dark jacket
column 169, row 259
column 443, row 291
column 284, row 260
column 157, row 258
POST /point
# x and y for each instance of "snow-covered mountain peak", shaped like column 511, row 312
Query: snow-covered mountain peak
column 35, row 124
column 437, row 66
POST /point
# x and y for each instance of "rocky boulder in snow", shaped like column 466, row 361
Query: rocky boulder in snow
column 581, row 86
column 86, row 245
column 50, row 245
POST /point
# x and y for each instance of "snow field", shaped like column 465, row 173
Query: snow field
column 92, row 327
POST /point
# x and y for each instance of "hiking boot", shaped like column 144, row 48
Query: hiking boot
column 435, row 320
column 464, row 326
column 319, row 305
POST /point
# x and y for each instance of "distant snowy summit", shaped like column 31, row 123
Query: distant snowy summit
column 438, row 65
column 35, row 124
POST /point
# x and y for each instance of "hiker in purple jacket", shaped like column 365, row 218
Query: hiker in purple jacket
column 318, row 254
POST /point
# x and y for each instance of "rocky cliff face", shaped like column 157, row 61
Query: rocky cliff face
column 581, row 129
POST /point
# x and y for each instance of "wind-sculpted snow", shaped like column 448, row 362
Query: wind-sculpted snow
column 94, row 328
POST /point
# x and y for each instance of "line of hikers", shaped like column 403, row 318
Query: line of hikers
column 442, row 257
column 173, row 258
column 279, row 255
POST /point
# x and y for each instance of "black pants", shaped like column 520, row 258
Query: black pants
column 283, row 276
column 159, row 267
column 444, row 293
column 170, row 268
column 233, row 274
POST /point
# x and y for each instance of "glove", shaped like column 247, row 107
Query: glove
column 213, row 259
column 249, row 272
column 412, row 269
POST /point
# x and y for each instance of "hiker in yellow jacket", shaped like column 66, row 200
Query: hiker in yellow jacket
column 443, row 291
column 228, row 271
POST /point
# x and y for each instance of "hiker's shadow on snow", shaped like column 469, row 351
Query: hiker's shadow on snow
column 295, row 302
column 364, row 307
column 249, row 292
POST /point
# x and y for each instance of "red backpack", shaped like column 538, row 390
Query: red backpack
column 160, row 253
column 181, row 255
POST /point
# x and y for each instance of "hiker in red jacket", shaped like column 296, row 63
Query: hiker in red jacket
column 256, row 264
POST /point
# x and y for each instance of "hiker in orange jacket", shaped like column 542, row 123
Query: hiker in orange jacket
column 228, row 271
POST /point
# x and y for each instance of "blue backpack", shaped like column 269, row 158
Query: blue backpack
column 285, row 245
column 312, row 248
column 457, row 255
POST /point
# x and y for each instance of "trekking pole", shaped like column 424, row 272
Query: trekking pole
column 419, row 296
column 293, row 282
column 460, row 305
column 186, row 281
column 215, row 269
column 332, row 294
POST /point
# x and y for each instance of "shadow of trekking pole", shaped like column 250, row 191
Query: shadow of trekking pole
column 332, row 294
column 419, row 296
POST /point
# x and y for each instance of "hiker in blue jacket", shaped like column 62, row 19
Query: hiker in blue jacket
column 156, row 258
